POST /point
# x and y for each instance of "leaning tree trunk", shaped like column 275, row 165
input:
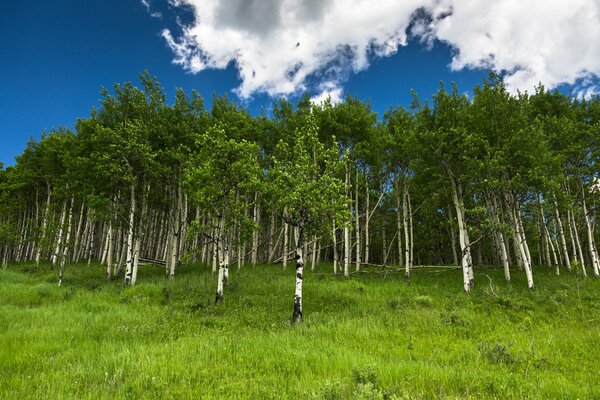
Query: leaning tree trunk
column 297, row 315
column 519, row 237
column 590, row 235
column 407, row 222
column 41, row 242
column 563, row 239
column 64, row 256
column 578, row 248
column 463, row 237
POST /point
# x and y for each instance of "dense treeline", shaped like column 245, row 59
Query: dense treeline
column 496, row 179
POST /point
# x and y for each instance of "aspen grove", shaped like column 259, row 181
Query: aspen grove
column 492, row 179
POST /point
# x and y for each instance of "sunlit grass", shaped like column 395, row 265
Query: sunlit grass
column 373, row 335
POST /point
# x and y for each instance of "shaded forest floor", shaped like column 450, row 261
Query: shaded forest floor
column 368, row 336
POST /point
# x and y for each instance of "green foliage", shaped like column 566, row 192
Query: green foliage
column 303, row 183
column 220, row 173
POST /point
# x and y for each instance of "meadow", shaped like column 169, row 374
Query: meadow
column 370, row 336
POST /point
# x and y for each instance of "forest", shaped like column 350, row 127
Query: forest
column 491, row 181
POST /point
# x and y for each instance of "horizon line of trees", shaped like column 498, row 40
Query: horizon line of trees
column 496, row 179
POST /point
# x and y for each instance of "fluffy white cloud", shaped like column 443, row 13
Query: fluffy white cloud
column 548, row 41
column 278, row 44
column 331, row 91
column 280, row 47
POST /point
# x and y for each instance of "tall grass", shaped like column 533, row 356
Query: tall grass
column 367, row 336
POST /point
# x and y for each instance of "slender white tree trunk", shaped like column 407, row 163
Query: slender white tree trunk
column 399, row 219
column 64, row 256
column 347, row 231
column 313, row 254
column 222, row 253
column 60, row 234
column 130, row 230
column 44, row 226
column 110, row 251
column 519, row 238
column 563, row 240
column 255, row 234
column 141, row 235
column 357, row 217
column 462, row 236
column 590, row 235
column 297, row 315
column 286, row 233
column 367, row 220
column 406, row 223
column 577, row 242
column 335, row 250
column 78, row 232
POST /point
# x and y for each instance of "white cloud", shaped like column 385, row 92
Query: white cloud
column 154, row 14
column 280, row 47
column 549, row 41
column 277, row 45
column 329, row 90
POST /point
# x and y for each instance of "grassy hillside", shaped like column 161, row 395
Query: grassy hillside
column 369, row 336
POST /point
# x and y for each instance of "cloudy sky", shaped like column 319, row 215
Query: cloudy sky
column 55, row 55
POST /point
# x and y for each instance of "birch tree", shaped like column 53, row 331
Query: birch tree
column 306, row 189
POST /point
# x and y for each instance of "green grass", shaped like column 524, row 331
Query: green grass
column 368, row 336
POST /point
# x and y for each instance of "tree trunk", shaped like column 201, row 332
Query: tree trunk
column 60, row 234
column 297, row 315
column 222, row 253
column 335, row 249
column 130, row 230
column 42, row 241
column 367, row 220
column 563, row 241
column 286, row 233
column 347, row 230
column 466, row 260
column 357, row 218
column 590, row 235
column 64, row 256
column 519, row 237
column 256, row 233
column 407, row 228
column 399, row 219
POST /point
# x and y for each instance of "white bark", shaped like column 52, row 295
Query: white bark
column 286, row 231
column 407, row 234
column 222, row 252
column 590, row 236
column 577, row 242
column 78, row 233
column 563, row 241
column 297, row 315
column 357, row 217
column 255, row 234
column 63, row 259
column 335, row 250
column 130, row 230
column 44, row 227
column 60, row 234
column 399, row 223
column 347, row 231
column 462, row 236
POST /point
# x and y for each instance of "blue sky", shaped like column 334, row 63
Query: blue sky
column 55, row 56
